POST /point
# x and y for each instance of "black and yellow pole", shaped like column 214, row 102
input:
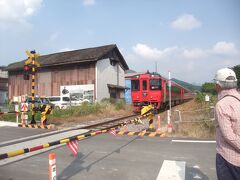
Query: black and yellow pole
column 33, row 87
column 34, row 64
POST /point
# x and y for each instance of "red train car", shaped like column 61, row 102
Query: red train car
column 150, row 88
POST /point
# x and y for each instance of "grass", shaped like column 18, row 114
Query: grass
column 197, row 130
column 107, row 107
column 196, row 120
column 11, row 117
column 83, row 110
column 88, row 112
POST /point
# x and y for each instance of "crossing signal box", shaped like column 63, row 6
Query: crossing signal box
column 26, row 72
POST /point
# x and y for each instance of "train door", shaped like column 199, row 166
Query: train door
column 135, row 90
column 144, row 88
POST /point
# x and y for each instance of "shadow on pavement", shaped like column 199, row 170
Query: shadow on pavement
column 194, row 173
column 76, row 166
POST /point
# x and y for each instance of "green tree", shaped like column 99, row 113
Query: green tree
column 237, row 71
column 208, row 87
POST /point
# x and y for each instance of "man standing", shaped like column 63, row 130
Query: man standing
column 228, row 125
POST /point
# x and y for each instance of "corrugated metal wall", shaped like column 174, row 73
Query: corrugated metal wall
column 72, row 75
column 17, row 85
column 128, row 96
column 49, row 80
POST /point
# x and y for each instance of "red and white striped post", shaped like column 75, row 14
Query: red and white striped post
column 52, row 167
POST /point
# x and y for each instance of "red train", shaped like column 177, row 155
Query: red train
column 150, row 88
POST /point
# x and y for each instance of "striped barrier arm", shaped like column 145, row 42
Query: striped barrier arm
column 35, row 126
column 65, row 140
column 141, row 133
column 62, row 141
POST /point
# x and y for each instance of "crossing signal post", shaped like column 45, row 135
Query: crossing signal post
column 32, row 64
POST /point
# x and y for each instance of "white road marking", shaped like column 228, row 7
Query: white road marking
column 172, row 170
column 193, row 141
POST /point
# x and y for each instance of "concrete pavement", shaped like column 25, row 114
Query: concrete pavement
column 121, row 157
column 35, row 142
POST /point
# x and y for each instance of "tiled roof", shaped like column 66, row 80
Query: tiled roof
column 72, row 57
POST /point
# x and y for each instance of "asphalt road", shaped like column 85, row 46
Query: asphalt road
column 120, row 157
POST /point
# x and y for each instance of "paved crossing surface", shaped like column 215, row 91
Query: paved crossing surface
column 8, row 133
column 121, row 157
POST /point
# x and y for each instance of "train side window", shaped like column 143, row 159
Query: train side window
column 144, row 85
column 135, row 85
column 155, row 84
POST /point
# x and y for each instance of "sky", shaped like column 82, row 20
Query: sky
column 189, row 38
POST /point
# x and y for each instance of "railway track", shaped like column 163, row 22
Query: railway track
column 113, row 123
column 54, row 139
column 109, row 124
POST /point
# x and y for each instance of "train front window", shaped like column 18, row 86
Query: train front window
column 135, row 85
column 144, row 85
column 155, row 84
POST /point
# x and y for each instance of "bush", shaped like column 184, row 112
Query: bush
column 109, row 101
column 120, row 104
column 209, row 88
column 83, row 109
column 200, row 98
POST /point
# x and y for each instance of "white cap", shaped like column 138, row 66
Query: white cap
column 225, row 75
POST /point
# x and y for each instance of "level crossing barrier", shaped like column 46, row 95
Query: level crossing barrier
column 66, row 140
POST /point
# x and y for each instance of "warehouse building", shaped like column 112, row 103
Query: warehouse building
column 94, row 73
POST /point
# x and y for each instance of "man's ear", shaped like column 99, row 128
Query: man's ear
column 218, row 87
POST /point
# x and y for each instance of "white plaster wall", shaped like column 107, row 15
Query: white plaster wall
column 107, row 74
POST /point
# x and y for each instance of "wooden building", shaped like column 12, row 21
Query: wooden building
column 102, row 67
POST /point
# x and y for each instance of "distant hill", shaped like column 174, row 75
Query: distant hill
column 187, row 85
column 130, row 71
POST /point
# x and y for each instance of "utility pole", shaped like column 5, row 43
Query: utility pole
column 170, row 103
column 170, row 95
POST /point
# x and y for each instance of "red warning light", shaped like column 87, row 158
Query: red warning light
column 26, row 68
